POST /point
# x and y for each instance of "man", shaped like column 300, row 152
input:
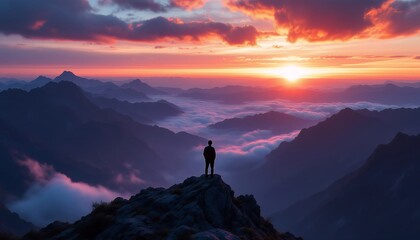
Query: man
column 210, row 155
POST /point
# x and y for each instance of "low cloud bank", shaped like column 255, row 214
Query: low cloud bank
column 54, row 196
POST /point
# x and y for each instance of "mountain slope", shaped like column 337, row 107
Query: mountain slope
column 325, row 152
column 143, row 112
column 85, row 83
column 276, row 122
column 140, row 86
column 12, row 223
column 379, row 201
column 13, row 180
column 198, row 208
column 38, row 82
column 385, row 94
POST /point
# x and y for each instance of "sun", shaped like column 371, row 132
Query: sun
column 292, row 73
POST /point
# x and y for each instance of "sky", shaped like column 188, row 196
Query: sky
column 319, row 40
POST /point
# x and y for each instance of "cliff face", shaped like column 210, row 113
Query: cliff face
column 198, row 208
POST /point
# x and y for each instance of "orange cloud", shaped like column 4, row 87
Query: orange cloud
column 396, row 18
column 325, row 20
column 188, row 4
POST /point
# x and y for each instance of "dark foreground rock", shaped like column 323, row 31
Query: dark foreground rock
column 198, row 208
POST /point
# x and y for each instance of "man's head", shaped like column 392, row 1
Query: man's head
column 210, row 142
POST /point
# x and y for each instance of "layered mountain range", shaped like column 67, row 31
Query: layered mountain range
column 59, row 126
column 325, row 152
column 382, row 93
column 379, row 201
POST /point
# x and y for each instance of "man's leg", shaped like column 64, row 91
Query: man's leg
column 207, row 167
column 212, row 168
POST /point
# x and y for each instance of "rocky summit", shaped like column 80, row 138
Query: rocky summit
column 198, row 208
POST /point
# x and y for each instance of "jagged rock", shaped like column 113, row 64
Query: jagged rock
column 199, row 208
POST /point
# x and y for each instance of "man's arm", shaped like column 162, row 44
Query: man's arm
column 205, row 152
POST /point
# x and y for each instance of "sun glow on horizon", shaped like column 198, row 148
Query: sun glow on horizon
column 292, row 73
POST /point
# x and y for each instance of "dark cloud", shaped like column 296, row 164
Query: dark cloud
column 160, row 28
column 150, row 5
column 73, row 20
column 59, row 19
column 155, row 6
column 322, row 20
column 241, row 35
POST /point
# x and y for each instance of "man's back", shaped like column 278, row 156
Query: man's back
column 209, row 153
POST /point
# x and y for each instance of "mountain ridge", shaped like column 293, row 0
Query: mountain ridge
column 102, row 89
column 277, row 122
column 197, row 208
column 141, row 86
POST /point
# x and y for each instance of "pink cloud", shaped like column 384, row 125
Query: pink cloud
column 40, row 172
column 132, row 177
column 135, row 179
column 253, row 145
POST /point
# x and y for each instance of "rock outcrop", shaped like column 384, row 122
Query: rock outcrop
column 198, row 208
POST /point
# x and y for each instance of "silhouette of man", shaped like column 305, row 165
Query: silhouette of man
column 209, row 154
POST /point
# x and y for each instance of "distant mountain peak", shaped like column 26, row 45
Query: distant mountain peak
column 68, row 74
column 198, row 208
column 141, row 86
column 347, row 110
column 137, row 81
column 42, row 77
column 400, row 136
column 346, row 114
